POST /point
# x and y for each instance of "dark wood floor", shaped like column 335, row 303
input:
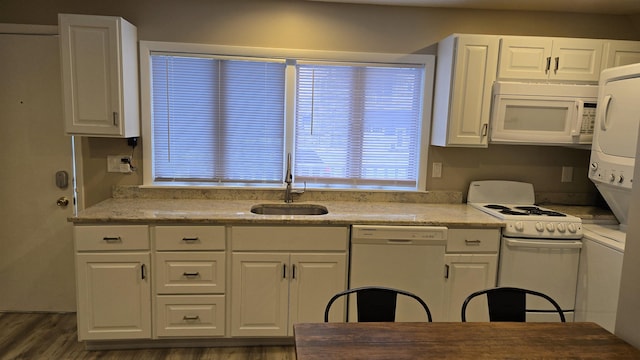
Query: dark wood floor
column 44, row 336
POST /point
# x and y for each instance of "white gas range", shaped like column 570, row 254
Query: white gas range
column 513, row 202
column 540, row 248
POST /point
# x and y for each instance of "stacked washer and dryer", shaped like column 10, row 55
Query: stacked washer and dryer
column 611, row 169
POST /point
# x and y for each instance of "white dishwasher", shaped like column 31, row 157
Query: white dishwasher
column 409, row 258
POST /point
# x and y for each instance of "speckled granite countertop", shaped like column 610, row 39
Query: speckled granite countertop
column 133, row 204
column 233, row 212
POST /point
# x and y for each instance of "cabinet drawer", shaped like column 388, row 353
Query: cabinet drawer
column 473, row 240
column 189, row 238
column 190, row 273
column 111, row 237
column 289, row 238
column 195, row 315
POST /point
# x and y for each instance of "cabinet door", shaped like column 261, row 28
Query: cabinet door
column 315, row 278
column 114, row 296
column 260, row 293
column 468, row 273
column 524, row 58
column 99, row 72
column 619, row 53
column 576, row 59
column 465, row 74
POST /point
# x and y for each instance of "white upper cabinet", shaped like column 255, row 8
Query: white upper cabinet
column 465, row 73
column 100, row 76
column 555, row 59
column 620, row 52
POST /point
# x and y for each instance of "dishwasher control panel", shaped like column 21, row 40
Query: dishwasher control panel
column 363, row 232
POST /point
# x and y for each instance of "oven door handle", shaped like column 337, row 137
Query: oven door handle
column 545, row 244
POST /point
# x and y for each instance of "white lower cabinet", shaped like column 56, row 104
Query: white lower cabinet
column 113, row 282
column 471, row 264
column 189, row 276
column 284, row 275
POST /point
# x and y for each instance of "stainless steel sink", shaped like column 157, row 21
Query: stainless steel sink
column 289, row 209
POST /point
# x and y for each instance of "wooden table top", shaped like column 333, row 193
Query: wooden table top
column 437, row 340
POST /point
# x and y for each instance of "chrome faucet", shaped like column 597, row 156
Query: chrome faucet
column 288, row 178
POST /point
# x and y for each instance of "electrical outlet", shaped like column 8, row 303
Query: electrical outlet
column 119, row 164
column 436, row 170
column 567, row 174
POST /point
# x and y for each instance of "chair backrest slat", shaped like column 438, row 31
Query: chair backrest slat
column 375, row 305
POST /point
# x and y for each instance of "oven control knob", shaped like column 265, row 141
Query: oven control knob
column 612, row 178
column 539, row 227
column 551, row 227
column 519, row 226
column 594, row 166
column 572, row 228
column 620, row 179
column 562, row 227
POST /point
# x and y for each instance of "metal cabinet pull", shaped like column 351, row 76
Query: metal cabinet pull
column 143, row 271
column 546, row 70
column 284, row 271
column 472, row 242
column 191, row 274
column 485, row 128
column 190, row 239
column 555, row 71
column 446, row 271
column 112, row 238
column 293, row 271
column 191, row 317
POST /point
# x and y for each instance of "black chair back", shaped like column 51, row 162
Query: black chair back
column 510, row 304
column 376, row 304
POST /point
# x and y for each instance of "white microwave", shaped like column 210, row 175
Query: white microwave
column 543, row 114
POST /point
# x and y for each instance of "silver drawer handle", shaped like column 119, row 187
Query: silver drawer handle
column 112, row 238
column 190, row 318
column 472, row 242
column 193, row 239
column 191, row 274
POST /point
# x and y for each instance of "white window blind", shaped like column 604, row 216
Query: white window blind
column 358, row 124
column 217, row 120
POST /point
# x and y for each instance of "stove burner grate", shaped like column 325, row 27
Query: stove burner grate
column 523, row 210
column 534, row 210
column 497, row 207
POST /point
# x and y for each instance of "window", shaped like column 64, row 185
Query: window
column 229, row 116
column 217, row 120
column 358, row 124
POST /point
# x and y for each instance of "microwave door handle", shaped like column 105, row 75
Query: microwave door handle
column 580, row 113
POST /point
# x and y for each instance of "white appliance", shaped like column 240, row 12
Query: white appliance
column 540, row 248
column 599, row 275
column 615, row 137
column 409, row 258
column 611, row 169
column 543, row 114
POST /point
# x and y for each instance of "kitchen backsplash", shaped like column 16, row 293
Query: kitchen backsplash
column 434, row 197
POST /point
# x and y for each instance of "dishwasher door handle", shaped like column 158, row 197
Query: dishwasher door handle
column 400, row 241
